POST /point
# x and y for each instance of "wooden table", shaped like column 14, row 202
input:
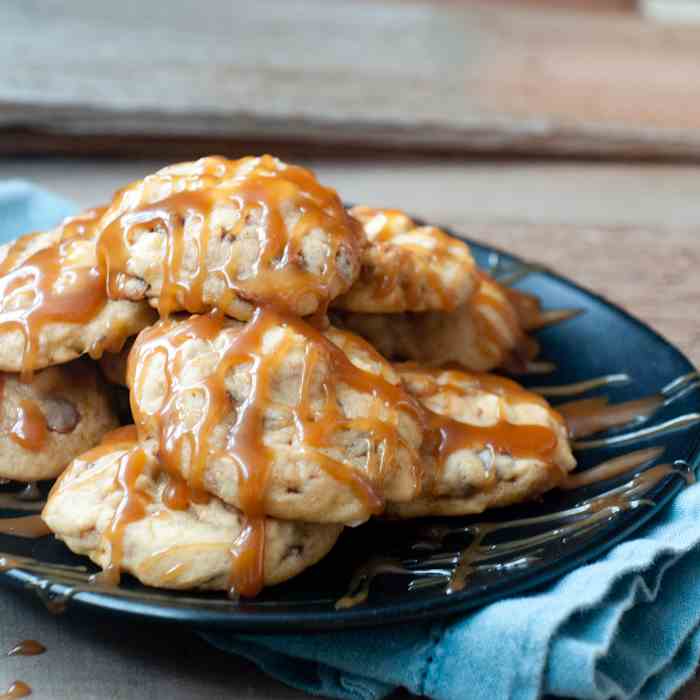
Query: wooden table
column 631, row 232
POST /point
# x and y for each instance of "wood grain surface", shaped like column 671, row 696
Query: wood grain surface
column 630, row 232
column 419, row 74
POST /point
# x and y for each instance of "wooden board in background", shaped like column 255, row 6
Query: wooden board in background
column 419, row 75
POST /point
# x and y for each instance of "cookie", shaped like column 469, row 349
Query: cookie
column 117, row 506
column 489, row 443
column 113, row 364
column 484, row 333
column 53, row 301
column 64, row 411
column 406, row 267
column 275, row 417
column 230, row 235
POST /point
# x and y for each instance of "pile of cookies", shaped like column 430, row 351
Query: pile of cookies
column 293, row 368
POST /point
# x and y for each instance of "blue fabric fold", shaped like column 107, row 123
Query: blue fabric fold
column 624, row 626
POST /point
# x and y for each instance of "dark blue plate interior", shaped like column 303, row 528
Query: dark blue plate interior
column 414, row 572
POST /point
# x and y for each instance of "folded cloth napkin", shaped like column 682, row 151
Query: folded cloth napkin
column 625, row 626
column 25, row 208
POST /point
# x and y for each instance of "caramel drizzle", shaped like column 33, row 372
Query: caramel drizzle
column 49, row 288
column 261, row 187
column 505, row 343
column 245, row 446
column 447, row 436
column 30, row 429
column 588, row 416
column 19, row 689
column 611, row 468
column 28, row 526
column 27, row 647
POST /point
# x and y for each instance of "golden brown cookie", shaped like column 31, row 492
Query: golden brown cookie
column 489, row 443
column 230, row 235
column 117, row 506
column 276, row 417
column 484, row 333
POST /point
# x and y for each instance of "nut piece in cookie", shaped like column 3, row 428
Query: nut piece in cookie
column 64, row 411
column 275, row 417
column 116, row 505
column 230, row 235
column 489, row 443
column 484, row 333
column 406, row 267
column 53, row 301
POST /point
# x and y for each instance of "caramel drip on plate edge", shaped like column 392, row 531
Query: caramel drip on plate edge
column 29, row 526
column 19, row 689
column 27, row 647
column 259, row 190
column 48, row 287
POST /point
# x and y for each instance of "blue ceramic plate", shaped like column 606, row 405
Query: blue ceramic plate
column 387, row 572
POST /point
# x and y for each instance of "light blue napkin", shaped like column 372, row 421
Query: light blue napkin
column 25, row 208
column 625, row 626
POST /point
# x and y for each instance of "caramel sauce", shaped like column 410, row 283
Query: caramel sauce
column 49, row 287
column 30, row 429
column 243, row 346
column 179, row 495
column 133, row 502
column 260, row 190
column 446, row 435
column 610, row 468
column 27, row 647
column 588, row 416
column 29, row 526
column 132, row 507
column 19, row 689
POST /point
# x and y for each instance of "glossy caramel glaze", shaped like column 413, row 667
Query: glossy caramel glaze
column 56, row 283
column 484, row 415
column 30, row 429
column 19, row 689
column 231, row 235
column 27, row 647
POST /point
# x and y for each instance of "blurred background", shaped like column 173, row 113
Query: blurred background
column 566, row 130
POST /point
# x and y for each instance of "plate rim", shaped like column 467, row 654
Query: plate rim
column 410, row 610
